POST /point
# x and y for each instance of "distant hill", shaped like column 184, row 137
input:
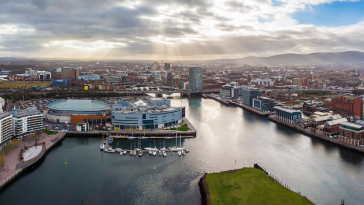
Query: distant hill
column 291, row 58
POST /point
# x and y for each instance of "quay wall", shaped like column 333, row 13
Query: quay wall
column 21, row 167
column 319, row 136
column 246, row 107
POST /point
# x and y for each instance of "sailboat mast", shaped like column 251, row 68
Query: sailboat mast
column 180, row 141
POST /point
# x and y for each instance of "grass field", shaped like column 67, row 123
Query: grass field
column 249, row 186
column 18, row 84
column 182, row 128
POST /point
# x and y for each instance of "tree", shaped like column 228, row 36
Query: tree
column 2, row 159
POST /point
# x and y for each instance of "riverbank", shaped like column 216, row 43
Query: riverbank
column 14, row 167
column 313, row 134
column 246, row 186
column 245, row 107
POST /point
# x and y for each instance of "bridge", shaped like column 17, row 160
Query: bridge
column 171, row 91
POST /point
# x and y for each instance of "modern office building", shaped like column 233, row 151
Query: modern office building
column 169, row 79
column 351, row 133
column 249, row 94
column 146, row 115
column 77, row 111
column 231, row 91
column 44, row 75
column 195, row 78
column 264, row 104
column 288, row 115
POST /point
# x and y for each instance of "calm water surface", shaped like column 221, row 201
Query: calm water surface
column 321, row 171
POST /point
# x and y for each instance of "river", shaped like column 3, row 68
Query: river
column 321, row 171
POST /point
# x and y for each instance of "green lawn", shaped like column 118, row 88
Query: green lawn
column 18, row 84
column 182, row 128
column 249, row 186
column 49, row 132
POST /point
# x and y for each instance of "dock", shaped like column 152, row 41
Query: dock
column 151, row 137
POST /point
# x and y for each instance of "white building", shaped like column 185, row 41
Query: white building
column 265, row 82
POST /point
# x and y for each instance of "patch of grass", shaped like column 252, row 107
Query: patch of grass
column 182, row 128
column 19, row 84
column 249, row 186
column 50, row 132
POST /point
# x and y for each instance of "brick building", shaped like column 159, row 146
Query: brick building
column 347, row 107
column 351, row 133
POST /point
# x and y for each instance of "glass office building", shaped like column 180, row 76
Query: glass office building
column 195, row 80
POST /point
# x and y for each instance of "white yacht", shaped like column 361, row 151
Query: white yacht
column 131, row 138
column 179, row 153
column 160, row 153
column 121, row 153
column 151, row 148
column 140, row 153
column 134, row 152
column 102, row 146
column 154, row 153
column 124, row 151
column 164, row 153
column 109, row 150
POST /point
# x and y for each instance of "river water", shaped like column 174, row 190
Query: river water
column 321, row 171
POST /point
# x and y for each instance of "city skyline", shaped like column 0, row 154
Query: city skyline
column 178, row 30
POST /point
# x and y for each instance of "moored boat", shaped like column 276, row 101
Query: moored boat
column 102, row 146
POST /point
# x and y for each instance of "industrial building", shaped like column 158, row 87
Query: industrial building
column 77, row 111
column 153, row 114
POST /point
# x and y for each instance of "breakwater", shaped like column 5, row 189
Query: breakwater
column 319, row 136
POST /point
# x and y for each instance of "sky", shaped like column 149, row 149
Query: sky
column 178, row 29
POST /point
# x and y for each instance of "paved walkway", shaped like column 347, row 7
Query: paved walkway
column 12, row 158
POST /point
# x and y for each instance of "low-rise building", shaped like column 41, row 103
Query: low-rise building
column 351, row 133
column 264, row 104
column 332, row 127
column 144, row 115
column 288, row 115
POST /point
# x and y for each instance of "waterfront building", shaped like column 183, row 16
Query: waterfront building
column 6, row 127
column 264, row 104
column 146, row 114
column 83, row 126
column 231, row 91
column 19, row 122
column 26, row 121
column 351, row 133
column 89, row 77
column 77, row 111
column 249, row 94
column 332, row 127
column 288, row 115
column 195, row 78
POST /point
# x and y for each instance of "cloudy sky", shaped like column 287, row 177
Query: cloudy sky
column 178, row 29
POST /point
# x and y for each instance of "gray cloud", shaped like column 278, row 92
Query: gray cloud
column 40, row 22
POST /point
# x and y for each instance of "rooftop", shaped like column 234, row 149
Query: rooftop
column 79, row 105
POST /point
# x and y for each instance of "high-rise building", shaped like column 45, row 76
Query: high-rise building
column 167, row 66
column 66, row 73
column 195, row 78
column 155, row 65
column 169, row 79
column 75, row 73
